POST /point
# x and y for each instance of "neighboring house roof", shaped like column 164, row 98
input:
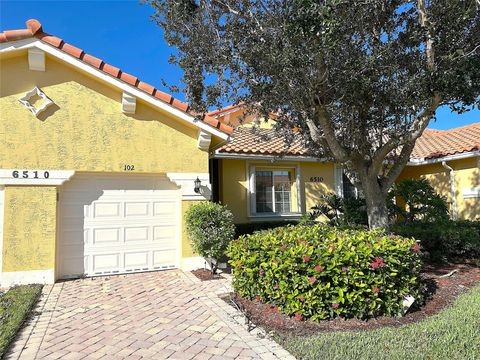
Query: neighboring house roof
column 34, row 30
column 226, row 109
column 439, row 143
column 432, row 144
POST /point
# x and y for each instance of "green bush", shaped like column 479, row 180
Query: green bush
column 340, row 211
column 250, row 228
column 421, row 200
column 210, row 229
column 320, row 272
column 15, row 306
column 445, row 239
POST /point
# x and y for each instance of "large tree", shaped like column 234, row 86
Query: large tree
column 361, row 79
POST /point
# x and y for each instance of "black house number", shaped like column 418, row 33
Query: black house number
column 128, row 167
column 316, row 179
column 30, row 174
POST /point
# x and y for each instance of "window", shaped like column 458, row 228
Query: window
column 273, row 191
column 350, row 191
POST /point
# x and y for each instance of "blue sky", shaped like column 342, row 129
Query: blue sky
column 121, row 33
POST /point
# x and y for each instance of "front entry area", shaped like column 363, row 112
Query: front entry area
column 114, row 224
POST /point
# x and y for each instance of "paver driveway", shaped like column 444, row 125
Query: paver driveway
column 157, row 315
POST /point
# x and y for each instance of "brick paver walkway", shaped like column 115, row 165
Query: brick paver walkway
column 157, row 315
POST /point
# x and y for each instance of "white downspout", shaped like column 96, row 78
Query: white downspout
column 452, row 189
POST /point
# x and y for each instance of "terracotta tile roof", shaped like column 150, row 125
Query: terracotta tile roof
column 262, row 142
column 34, row 30
column 432, row 144
column 220, row 112
column 438, row 143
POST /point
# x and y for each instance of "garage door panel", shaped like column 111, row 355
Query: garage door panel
column 136, row 260
column 159, row 257
column 116, row 224
column 102, row 236
column 162, row 233
column 137, row 209
column 106, row 263
column 106, row 209
column 163, row 208
column 137, row 234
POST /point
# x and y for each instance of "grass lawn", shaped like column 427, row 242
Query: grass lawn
column 454, row 333
column 15, row 305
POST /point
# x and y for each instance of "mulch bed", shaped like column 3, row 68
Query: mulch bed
column 205, row 275
column 442, row 292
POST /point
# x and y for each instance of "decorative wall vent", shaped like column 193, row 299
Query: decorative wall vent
column 36, row 101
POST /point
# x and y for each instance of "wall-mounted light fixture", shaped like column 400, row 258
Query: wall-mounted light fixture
column 197, row 183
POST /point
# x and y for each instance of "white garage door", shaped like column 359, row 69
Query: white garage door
column 117, row 224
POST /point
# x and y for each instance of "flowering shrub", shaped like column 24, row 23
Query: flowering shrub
column 210, row 229
column 321, row 272
column 445, row 240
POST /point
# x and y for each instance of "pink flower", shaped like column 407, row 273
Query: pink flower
column 416, row 248
column 312, row 280
column 318, row 268
column 378, row 263
column 335, row 306
column 344, row 269
column 301, row 298
column 376, row 290
column 261, row 272
column 298, row 317
column 283, row 248
column 306, row 258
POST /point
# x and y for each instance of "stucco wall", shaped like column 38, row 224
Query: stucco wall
column 467, row 175
column 29, row 228
column 234, row 190
column 84, row 131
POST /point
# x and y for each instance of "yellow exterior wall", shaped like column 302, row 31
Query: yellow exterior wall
column 29, row 228
column 84, row 131
column 467, row 175
column 234, row 191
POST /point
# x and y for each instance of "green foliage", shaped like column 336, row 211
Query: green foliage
column 251, row 227
column 451, row 334
column 445, row 239
column 321, row 272
column 341, row 211
column 15, row 306
column 422, row 202
column 210, row 229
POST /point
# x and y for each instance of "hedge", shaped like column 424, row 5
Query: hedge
column 445, row 239
column 321, row 272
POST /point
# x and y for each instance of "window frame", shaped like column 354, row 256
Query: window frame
column 252, row 196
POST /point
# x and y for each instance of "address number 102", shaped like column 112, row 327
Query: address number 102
column 30, row 174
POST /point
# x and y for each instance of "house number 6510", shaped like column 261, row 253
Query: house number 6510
column 30, row 174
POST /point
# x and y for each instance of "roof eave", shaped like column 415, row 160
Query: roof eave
column 24, row 44
column 463, row 155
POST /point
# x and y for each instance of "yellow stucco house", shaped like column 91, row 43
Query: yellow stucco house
column 260, row 178
column 97, row 167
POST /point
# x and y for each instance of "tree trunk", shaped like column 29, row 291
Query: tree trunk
column 376, row 206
